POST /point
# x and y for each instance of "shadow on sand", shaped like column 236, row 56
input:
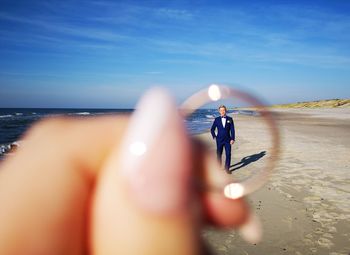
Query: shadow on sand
column 247, row 160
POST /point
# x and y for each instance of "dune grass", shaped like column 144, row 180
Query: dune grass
column 330, row 103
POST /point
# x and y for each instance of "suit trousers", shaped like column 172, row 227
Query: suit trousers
column 219, row 148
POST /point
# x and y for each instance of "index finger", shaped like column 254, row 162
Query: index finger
column 45, row 186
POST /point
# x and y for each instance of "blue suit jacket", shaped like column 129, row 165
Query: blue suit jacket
column 225, row 134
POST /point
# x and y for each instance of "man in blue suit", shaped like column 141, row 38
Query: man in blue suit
column 225, row 136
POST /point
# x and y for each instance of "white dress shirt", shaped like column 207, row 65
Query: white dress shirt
column 223, row 121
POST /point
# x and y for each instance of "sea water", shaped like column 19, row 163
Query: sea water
column 15, row 121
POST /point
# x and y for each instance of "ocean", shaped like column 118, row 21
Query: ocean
column 15, row 121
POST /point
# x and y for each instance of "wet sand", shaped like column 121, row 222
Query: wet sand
column 305, row 207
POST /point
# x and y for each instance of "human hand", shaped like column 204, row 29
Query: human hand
column 232, row 142
column 74, row 187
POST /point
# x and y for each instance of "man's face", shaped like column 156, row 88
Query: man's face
column 222, row 111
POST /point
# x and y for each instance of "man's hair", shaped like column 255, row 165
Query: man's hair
column 222, row 106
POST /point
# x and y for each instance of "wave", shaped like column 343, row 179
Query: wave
column 80, row 113
column 9, row 148
column 6, row 116
column 248, row 112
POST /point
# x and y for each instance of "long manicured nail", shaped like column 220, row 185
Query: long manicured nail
column 155, row 154
column 251, row 230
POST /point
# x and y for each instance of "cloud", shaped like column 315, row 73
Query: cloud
column 57, row 29
column 284, row 34
column 179, row 14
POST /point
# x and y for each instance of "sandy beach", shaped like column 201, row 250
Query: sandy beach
column 305, row 207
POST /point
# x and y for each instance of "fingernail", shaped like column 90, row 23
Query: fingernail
column 251, row 231
column 155, row 154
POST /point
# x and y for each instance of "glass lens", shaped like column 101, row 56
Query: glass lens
column 241, row 140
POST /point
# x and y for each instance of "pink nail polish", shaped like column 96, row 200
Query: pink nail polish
column 155, row 157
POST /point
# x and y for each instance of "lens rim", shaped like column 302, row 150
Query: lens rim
column 216, row 92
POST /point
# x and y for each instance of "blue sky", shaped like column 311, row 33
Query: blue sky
column 107, row 53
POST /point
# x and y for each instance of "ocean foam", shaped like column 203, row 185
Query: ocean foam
column 81, row 113
column 6, row 116
column 8, row 148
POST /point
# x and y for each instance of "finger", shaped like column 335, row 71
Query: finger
column 225, row 212
column 218, row 209
column 234, row 213
column 143, row 203
column 45, row 187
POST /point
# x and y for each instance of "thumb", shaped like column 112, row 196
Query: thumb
column 143, row 202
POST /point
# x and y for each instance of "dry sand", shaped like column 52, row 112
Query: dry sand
column 305, row 208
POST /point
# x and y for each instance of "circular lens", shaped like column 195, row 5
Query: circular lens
column 254, row 151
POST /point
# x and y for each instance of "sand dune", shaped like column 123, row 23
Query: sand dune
column 330, row 103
